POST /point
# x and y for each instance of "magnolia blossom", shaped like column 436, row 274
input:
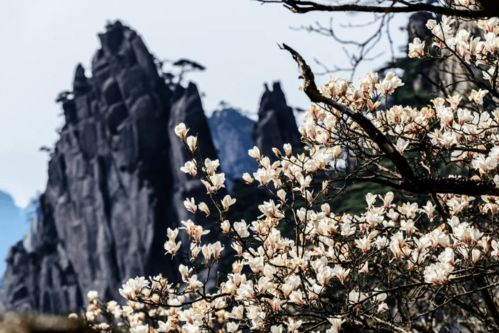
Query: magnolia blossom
column 192, row 142
column 241, row 229
column 190, row 205
column 495, row 249
column 416, row 48
column 211, row 166
column 341, row 273
column 247, row 178
column 477, row 96
column 181, row 131
column 214, row 183
column 190, row 168
column 204, row 208
column 254, row 153
column 389, row 84
column 438, row 273
column 133, row 287
column 227, row 201
column 171, row 245
column 92, row 295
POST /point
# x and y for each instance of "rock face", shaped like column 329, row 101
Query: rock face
column 231, row 133
column 276, row 123
column 113, row 186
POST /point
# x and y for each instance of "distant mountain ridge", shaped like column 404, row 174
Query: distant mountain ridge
column 14, row 222
column 231, row 132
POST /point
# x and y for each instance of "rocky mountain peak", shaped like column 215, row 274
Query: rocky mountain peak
column 114, row 184
column 276, row 123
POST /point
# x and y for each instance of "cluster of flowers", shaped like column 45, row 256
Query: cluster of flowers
column 300, row 266
column 478, row 46
column 429, row 133
column 457, row 129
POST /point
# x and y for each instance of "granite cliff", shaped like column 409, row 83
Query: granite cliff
column 114, row 184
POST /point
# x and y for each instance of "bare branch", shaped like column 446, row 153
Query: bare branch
column 301, row 7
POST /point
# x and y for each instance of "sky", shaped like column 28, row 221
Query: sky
column 237, row 40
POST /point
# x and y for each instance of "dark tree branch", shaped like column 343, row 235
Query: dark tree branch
column 297, row 6
column 410, row 182
column 489, row 301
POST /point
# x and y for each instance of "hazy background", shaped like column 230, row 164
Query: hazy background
column 42, row 41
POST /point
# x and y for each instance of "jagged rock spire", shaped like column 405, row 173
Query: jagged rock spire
column 114, row 186
column 276, row 123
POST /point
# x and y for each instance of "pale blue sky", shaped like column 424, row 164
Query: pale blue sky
column 42, row 41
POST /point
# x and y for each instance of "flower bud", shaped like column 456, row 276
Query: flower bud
column 181, row 131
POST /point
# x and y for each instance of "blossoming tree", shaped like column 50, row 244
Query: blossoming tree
column 423, row 256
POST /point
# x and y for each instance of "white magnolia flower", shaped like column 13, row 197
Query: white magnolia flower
column 416, row 48
column 192, row 143
column 232, row 327
column 225, row 226
column 211, row 166
column 181, row 131
column 370, row 199
column 438, row 273
column 226, row 202
column 92, row 295
column 214, row 183
column 247, row 178
column 190, row 205
column 241, row 228
column 364, row 244
column 495, row 249
column 189, row 168
column 171, row 247
column 389, row 84
column 140, row 329
column 477, row 96
column 336, row 324
column 202, row 206
column 254, row 153
column 271, row 210
column 133, row 287
column 341, row 273
column 324, row 275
